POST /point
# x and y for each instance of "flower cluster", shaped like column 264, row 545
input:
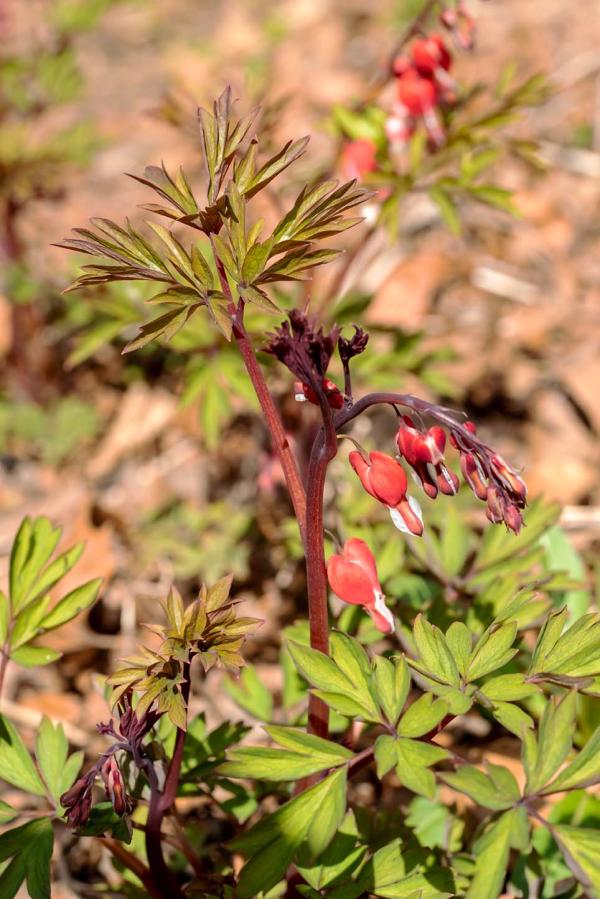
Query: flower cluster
column 129, row 734
column 352, row 575
column 423, row 86
column 77, row 801
column 486, row 473
column 307, row 351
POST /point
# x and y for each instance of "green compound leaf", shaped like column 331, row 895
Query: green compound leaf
column 581, row 849
column 491, row 858
column 30, row 847
column 272, row 843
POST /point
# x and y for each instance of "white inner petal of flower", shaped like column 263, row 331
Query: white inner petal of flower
column 448, row 479
column 416, row 478
column 381, row 607
column 398, row 520
column 412, row 502
column 431, row 470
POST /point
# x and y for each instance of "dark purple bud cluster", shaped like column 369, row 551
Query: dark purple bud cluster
column 129, row 732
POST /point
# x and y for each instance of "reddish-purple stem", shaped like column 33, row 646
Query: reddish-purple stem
column 160, row 803
column 273, row 421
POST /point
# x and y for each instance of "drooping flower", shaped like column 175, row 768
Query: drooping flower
column 77, row 801
column 419, row 95
column 430, row 54
column 385, row 480
column 424, row 452
column 352, row 576
column 358, row 158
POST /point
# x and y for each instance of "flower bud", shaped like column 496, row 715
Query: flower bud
column 113, row 785
column 78, row 801
column 381, row 476
column 468, row 426
column 473, row 475
column 513, row 518
column 460, row 22
column 511, row 480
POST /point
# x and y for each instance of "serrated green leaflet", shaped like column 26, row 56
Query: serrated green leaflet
column 272, row 843
column 496, row 794
column 16, row 765
column 581, row 848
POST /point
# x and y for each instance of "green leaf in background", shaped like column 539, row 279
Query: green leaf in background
column 391, row 681
column 436, row 657
column 498, row 546
column 508, row 687
column 434, row 825
column 561, row 555
column 338, row 861
column 16, row 765
column 7, row 813
column 447, row 207
column 31, row 656
column 343, row 681
column 104, row 820
column 30, row 847
column 31, row 575
column 27, row 623
column 492, row 651
column 422, row 716
column 412, row 760
column 574, row 653
column 249, row 692
column 32, row 548
column 454, row 542
column 460, row 642
column 72, row 604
